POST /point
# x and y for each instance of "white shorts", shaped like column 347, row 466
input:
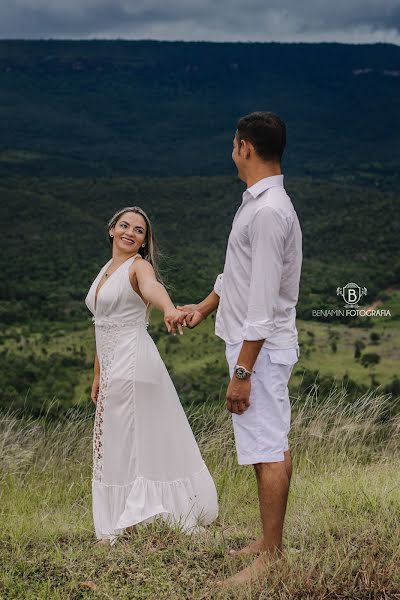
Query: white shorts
column 261, row 432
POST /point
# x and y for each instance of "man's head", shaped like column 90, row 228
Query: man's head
column 260, row 138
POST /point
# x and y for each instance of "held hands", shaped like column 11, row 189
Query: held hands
column 174, row 318
column 238, row 395
column 182, row 316
column 192, row 315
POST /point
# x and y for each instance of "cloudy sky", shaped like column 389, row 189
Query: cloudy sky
column 354, row 21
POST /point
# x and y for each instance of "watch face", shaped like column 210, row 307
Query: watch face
column 240, row 373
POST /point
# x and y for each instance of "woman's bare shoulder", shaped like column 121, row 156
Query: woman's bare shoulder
column 141, row 267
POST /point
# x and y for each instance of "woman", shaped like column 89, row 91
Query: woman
column 146, row 462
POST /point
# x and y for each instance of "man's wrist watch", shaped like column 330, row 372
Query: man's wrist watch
column 242, row 372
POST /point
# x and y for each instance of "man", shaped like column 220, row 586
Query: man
column 256, row 297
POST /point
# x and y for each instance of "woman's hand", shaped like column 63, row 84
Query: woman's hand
column 95, row 388
column 174, row 318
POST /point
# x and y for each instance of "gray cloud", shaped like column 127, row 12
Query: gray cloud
column 356, row 21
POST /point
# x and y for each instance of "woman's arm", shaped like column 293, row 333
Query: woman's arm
column 96, row 379
column 155, row 293
column 96, row 366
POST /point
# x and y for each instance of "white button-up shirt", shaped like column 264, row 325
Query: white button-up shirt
column 259, row 286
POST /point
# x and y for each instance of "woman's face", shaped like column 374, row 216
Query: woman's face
column 129, row 233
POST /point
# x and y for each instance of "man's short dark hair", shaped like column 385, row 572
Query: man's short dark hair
column 266, row 131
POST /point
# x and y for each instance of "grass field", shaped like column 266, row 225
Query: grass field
column 342, row 527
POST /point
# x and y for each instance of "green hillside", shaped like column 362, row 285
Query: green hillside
column 48, row 366
column 54, row 239
column 79, row 108
column 90, row 127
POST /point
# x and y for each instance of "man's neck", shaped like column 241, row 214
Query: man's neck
column 262, row 172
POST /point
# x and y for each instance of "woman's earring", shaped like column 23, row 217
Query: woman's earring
column 111, row 235
column 144, row 245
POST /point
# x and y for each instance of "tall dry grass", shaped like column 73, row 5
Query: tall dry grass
column 342, row 529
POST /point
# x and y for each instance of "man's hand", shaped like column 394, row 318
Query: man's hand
column 238, row 395
column 193, row 315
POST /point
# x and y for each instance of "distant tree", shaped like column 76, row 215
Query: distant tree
column 375, row 337
column 393, row 387
column 359, row 346
column 370, row 359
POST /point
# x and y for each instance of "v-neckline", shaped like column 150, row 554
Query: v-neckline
column 100, row 287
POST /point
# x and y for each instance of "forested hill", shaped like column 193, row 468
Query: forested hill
column 88, row 108
column 54, row 238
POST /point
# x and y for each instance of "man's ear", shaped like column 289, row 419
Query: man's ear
column 247, row 148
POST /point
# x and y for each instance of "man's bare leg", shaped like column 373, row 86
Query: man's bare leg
column 265, row 484
column 273, row 481
column 288, row 464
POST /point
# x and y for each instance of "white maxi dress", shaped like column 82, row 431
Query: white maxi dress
column 146, row 462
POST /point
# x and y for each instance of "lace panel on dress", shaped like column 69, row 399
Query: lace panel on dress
column 108, row 334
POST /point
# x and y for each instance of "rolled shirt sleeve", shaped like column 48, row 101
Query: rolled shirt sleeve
column 218, row 284
column 267, row 232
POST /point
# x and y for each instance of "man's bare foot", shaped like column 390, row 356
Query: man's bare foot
column 103, row 542
column 255, row 571
column 254, row 548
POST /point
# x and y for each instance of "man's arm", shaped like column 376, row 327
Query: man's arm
column 267, row 238
column 199, row 312
column 249, row 352
column 209, row 304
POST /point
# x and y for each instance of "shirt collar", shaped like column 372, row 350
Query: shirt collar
column 264, row 184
